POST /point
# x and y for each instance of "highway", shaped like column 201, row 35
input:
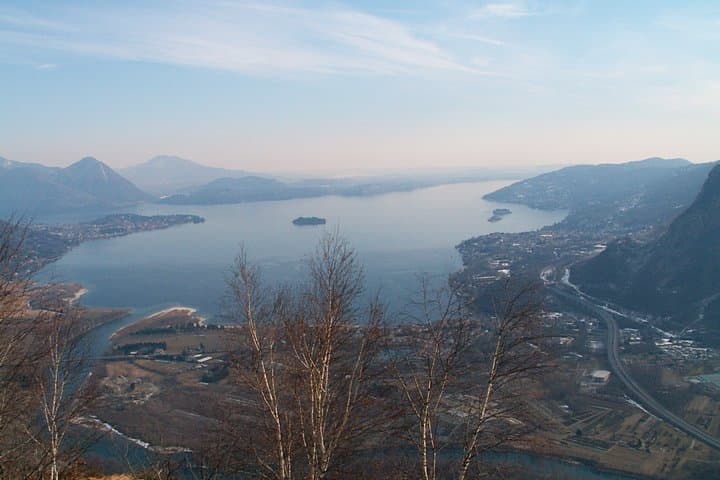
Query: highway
column 617, row 367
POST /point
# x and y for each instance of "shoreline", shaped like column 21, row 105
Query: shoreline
column 94, row 422
column 78, row 295
column 178, row 308
column 576, row 460
column 190, row 311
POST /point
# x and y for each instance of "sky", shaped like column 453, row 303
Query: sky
column 273, row 86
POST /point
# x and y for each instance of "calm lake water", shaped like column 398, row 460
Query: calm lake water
column 397, row 236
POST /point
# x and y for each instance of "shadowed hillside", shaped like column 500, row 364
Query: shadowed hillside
column 677, row 273
column 31, row 189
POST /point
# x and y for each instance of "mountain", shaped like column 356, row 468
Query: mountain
column 93, row 177
column 587, row 184
column 166, row 175
column 676, row 274
column 6, row 164
column 245, row 189
column 633, row 194
column 254, row 189
column 31, row 189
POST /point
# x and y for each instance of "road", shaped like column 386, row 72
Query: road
column 617, row 367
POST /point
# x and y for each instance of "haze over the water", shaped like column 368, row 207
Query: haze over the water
column 273, row 86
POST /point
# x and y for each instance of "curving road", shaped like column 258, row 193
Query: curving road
column 616, row 365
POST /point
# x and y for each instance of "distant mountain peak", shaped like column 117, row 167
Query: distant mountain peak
column 169, row 160
column 661, row 162
column 88, row 161
column 87, row 183
column 93, row 166
column 95, row 177
column 169, row 174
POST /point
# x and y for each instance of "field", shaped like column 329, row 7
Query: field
column 168, row 382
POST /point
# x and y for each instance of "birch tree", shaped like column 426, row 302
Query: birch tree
column 63, row 392
column 307, row 356
column 519, row 351
column 258, row 311
column 17, row 357
column 435, row 365
column 479, row 367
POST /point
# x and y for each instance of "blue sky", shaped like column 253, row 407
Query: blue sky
column 349, row 85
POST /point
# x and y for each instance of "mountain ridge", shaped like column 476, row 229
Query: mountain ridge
column 671, row 275
column 647, row 192
column 31, row 189
column 166, row 175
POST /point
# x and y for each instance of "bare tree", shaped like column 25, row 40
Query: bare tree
column 477, row 370
column 519, row 351
column 333, row 352
column 435, row 364
column 17, row 357
column 259, row 313
column 307, row 359
column 63, row 392
column 42, row 375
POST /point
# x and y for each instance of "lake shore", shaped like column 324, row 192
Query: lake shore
column 408, row 233
column 173, row 314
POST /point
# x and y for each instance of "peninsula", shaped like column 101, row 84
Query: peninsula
column 46, row 243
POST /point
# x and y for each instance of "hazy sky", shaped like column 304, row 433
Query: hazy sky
column 338, row 85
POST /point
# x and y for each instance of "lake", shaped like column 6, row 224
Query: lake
column 397, row 236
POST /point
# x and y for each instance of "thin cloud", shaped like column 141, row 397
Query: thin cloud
column 19, row 19
column 242, row 37
column 479, row 38
column 502, row 10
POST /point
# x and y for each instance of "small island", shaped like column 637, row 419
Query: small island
column 305, row 221
column 498, row 214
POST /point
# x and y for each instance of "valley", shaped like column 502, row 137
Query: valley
column 169, row 368
column 359, row 240
column 630, row 392
column 657, row 354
